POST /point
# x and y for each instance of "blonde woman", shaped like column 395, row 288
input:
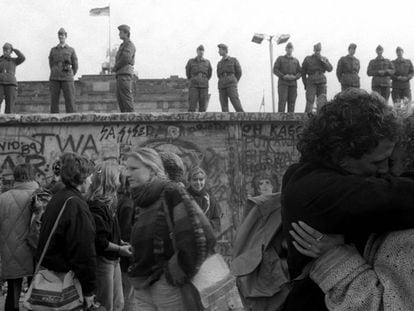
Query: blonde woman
column 160, row 270
column 102, row 200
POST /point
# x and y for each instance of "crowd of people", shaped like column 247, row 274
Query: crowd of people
column 335, row 236
column 113, row 233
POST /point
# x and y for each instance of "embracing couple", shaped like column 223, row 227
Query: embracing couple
column 348, row 210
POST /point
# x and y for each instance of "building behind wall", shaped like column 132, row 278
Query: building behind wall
column 97, row 93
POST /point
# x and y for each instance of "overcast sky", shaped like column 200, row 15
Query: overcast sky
column 167, row 32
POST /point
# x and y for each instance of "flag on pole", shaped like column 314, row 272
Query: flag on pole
column 100, row 11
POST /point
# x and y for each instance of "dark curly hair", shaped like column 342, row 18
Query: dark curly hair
column 75, row 169
column 352, row 124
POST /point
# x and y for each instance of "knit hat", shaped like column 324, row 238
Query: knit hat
column 173, row 165
column 195, row 171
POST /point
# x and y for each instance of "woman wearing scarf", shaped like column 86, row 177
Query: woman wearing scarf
column 164, row 262
column 203, row 197
column 102, row 201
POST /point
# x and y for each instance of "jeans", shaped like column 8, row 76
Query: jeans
column 124, row 93
column 160, row 296
column 109, row 284
column 129, row 297
column 287, row 93
column 313, row 91
column 232, row 93
column 68, row 88
column 197, row 95
column 8, row 92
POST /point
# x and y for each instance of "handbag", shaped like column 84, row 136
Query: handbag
column 53, row 291
column 213, row 287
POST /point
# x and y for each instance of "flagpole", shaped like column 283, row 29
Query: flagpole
column 109, row 33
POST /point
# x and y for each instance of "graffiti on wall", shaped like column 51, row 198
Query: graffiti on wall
column 232, row 154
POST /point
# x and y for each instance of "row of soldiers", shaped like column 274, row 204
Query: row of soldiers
column 385, row 74
column 63, row 64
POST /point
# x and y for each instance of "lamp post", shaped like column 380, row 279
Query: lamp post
column 258, row 38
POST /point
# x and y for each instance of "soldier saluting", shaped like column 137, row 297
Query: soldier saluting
column 287, row 68
column 229, row 73
column 8, row 83
column 313, row 75
column 199, row 72
column 404, row 72
column 348, row 68
column 381, row 69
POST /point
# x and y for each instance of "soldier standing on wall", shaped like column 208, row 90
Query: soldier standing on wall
column 348, row 69
column 124, row 69
column 229, row 73
column 8, row 83
column 198, row 71
column 381, row 69
column 313, row 76
column 63, row 64
column 287, row 68
column 404, row 72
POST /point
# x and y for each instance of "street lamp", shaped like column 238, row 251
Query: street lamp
column 258, row 38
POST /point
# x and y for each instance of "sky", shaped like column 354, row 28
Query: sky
column 166, row 34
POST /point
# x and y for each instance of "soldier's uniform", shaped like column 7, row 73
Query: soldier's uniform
column 8, row 83
column 381, row 82
column 404, row 72
column 199, row 72
column 63, row 64
column 229, row 73
column 313, row 76
column 124, row 69
column 287, row 89
column 347, row 71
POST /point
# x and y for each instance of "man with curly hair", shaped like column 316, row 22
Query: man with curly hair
column 345, row 182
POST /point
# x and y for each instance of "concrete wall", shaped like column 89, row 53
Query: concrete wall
column 97, row 93
column 232, row 148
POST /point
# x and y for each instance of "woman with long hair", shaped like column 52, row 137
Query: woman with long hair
column 170, row 239
column 102, row 201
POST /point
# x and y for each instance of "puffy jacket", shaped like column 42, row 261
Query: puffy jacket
column 15, row 214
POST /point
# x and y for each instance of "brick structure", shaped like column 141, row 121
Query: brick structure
column 96, row 93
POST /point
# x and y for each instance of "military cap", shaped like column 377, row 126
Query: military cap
column 222, row 46
column 399, row 49
column 63, row 31
column 125, row 28
column 317, row 47
column 352, row 46
column 7, row 46
column 200, row 47
column 379, row 48
column 289, row 45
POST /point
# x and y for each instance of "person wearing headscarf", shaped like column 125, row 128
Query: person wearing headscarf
column 203, row 197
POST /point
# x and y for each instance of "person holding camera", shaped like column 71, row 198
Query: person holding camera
column 313, row 76
column 8, row 83
column 63, row 64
